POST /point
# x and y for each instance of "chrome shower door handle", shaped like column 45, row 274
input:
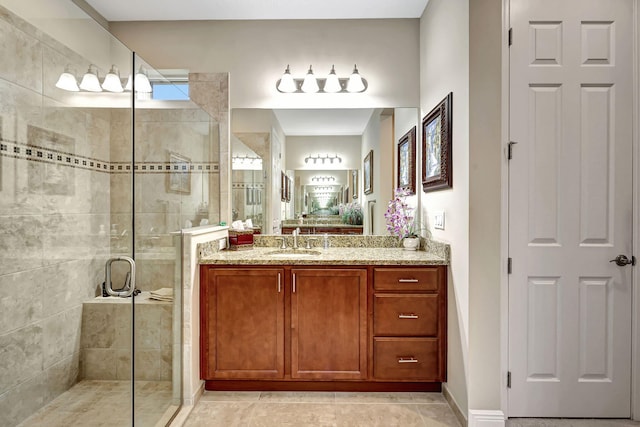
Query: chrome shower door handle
column 132, row 275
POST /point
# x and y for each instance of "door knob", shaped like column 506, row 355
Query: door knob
column 622, row 260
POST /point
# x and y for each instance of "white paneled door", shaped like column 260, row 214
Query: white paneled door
column 570, row 208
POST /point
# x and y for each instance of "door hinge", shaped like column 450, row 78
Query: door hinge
column 510, row 149
column 509, row 264
column 510, row 36
column 508, row 379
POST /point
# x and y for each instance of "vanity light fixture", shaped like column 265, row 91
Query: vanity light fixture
column 323, row 158
column 67, row 80
column 90, row 80
column 323, row 178
column 111, row 83
column 331, row 84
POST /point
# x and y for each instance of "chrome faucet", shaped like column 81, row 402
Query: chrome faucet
column 295, row 234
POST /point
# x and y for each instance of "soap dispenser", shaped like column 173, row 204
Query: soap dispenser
column 325, row 243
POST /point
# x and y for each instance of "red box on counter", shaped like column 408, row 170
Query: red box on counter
column 240, row 240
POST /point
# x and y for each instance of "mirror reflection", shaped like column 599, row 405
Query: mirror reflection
column 312, row 167
column 248, row 180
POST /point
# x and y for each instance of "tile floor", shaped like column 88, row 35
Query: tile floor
column 105, row 404
column 320, row 409
column 554, row 422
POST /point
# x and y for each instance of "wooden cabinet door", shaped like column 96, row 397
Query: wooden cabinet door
column 243, row 328
column 329, row 324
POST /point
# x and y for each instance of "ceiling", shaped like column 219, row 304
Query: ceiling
column 323, row 122
column 163, row 10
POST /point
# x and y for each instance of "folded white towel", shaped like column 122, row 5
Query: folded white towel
column 237, row 225
column 163, row 292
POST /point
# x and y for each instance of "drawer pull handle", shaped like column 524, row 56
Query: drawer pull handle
column 411, row 360
column 408, row 280
column 407, row 316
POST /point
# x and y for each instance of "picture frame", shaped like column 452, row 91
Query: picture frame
column 437, row 165
column 288, row 189
column 48, row 176
column 406, row 162
column 283, row 187
column 354, row 181
column 367, row 173
column 179, row 176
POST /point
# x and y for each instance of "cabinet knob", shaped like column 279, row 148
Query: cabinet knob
column 408, row 280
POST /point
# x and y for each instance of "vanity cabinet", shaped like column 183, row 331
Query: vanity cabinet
column 329, row 323
column 409, row 324
column 323, row 327
column 242, row 333
column 251, row 316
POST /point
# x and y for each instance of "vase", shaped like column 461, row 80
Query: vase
column 411, row 243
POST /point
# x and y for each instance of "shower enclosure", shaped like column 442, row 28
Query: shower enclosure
column 87, row 177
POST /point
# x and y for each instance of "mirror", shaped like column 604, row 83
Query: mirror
column 306, row 143
column 248, row 201
column 320, row 192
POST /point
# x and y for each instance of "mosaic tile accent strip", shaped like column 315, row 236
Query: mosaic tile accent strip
column 243, row 185
column 38, row 153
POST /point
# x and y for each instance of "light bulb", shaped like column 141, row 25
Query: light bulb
column 90, row 80
column 286, row 83
column 332, row 84
column 112, row 81
column 67, row 81
column 355, row 83
column 310, row 84
column 142, row 82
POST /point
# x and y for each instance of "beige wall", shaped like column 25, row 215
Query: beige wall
column 487, row 163
column 444, row 68
column 257, row 52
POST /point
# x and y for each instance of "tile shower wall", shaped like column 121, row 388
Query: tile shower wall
column 65, row 207
column 106, row 340
column 53, row 199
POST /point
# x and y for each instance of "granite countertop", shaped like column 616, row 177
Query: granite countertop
column 331, row 256
column 340, row 225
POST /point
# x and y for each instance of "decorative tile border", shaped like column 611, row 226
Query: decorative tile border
column 36, row 153
column 243, row 185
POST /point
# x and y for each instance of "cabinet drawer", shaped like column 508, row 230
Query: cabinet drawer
column 405, row 315
column 407, row 279
column 406, row 359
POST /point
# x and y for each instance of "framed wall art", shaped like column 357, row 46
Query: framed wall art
column 179, row 177
column 437, row 166
column 367, row 173
column 283, row 187
column 406, row 166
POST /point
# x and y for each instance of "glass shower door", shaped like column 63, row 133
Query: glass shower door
column 173, row 151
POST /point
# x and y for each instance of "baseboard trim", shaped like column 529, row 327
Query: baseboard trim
column 454, row 406
column 480, row 418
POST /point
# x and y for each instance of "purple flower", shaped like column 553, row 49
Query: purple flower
column 399, row 215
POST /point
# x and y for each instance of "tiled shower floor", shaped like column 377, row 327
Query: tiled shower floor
column 307, row 409
column 105, row 404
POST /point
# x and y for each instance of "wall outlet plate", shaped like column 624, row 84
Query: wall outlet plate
column 438, row 221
